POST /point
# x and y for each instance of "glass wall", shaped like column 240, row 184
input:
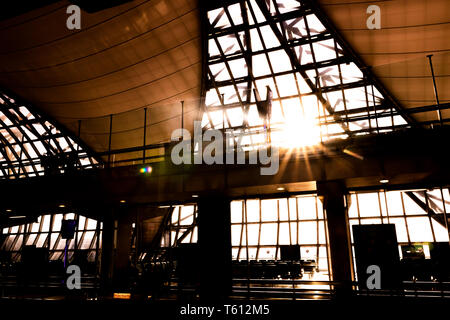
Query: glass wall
column 260, row 226
column 181, row 227
column 46, row 232
column 418, row 215
column 33, row 146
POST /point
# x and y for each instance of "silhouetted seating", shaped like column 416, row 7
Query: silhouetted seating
column 308, row 266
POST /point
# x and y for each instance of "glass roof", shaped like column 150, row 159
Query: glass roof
column 280, row 48
column 32, row 145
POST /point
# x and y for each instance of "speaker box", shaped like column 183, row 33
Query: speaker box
column 68, row 229
column 377, row 245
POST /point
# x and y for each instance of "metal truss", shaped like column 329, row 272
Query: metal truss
column 33, row 145
column 428, row 205
column 319, row 85
column 181, row 226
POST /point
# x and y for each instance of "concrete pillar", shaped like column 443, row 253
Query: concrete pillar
column 214, row 239
column 122, row 271
column 332, row 195
column 106, row 271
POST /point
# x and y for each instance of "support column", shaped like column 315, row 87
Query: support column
column 332, row 195
column 214, row 239
column 106, row 271
column 122, row 274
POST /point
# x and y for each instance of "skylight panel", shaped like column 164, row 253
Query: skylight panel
column 285, row 6
column 5, row 120
column 253, row 116
column 355, row 98
column 230, row 95
column 260, row 65
column 358, row 125
column 212, row 48
column 280, row 61
column 329, row 76
column 236, row 116
column 286, row 85
column 324, row 50
column 277, row 115
column 217, row 119
column 212, row 98
column 270, row 40
column 255, row 40
column 295, row 28
column 314, row 25
column 63, row 144
column 236, row 14
column 299, row 71
column 238, row 68
column 218, row 19
column 398, row 120
column 257, row 12
column 26, row 113
column 336, row 100
column 219, row 71
column 30, row 150
column 205, row 121
column 39, row 128
column 350, row 73
column 334, row 129
column 85, row 161
column 229, row 44
column 261, row 85
column 303, row 86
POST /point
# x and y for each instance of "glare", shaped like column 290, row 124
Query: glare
column 300, row 133
column 146, row 170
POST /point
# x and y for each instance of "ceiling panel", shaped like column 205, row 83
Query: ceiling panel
column 143, row 54
column 410, row 30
